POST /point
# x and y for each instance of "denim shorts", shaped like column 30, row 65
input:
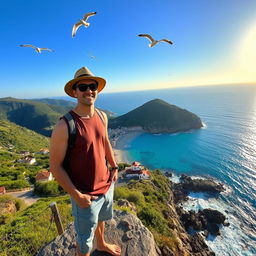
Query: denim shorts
column 86, row 219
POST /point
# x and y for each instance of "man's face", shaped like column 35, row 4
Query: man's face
column 88, row 96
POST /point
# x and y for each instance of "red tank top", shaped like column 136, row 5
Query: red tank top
column 87, row 167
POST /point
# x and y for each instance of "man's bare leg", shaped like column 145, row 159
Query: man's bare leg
column 101, row 243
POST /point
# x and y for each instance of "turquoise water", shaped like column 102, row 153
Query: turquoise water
column 224, row 149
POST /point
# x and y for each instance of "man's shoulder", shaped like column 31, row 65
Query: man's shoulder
column 61, row 126
column 102, row 114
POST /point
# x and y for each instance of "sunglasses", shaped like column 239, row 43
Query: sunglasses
column 83, row 87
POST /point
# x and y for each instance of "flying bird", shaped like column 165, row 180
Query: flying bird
column 153, row 41
column 82, row 22
column 37, row 49
column 92, row 57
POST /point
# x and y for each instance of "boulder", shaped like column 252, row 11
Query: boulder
column 124, row 229
column 213, row 216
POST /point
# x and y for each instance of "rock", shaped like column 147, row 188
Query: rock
column 204, row 220
column 200, row 185
column 166, row 251
column 124, row 229
column 199, row 247
column 213, row 229
column 213, row 216
column 126, row 203
column 168, row 174
column 226, row 224
column 180, row 195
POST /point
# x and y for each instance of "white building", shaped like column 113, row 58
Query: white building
column 44, row 175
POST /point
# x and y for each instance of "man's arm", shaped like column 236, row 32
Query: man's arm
column 58, row 147
column 109, row 151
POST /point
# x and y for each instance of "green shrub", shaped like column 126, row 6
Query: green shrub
column 131, row 195
column 153, row 218
column 15, row 184
column 50, row 188
column 120, row 193
column 135, row 197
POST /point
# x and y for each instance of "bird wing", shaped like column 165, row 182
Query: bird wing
column 27, row 45
column 75, row 28
column 149, row 37
column 166, row 40
column 47, row 49
column 87, row 15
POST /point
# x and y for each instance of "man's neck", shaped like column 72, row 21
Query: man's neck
column 84, row 111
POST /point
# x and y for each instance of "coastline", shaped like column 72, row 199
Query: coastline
column 122, row 142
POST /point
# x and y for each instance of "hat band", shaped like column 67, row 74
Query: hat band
column 83, row 75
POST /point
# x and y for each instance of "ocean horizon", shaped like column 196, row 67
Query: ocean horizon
column 225, row 149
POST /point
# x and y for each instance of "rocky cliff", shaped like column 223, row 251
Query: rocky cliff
column 151, row 225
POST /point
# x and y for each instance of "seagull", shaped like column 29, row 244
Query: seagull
column 93, row 57
column 153, row 41
column 37, row 49
column 82, row 22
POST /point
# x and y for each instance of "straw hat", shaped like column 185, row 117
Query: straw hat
column 81, row 74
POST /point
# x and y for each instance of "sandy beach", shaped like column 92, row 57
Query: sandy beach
column 122, row 143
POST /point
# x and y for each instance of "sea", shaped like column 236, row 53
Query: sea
column 224, row 149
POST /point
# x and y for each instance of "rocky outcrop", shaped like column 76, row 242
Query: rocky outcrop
column 199, row 247
column 125, row 229
column 206, row 220
column 187, row 185
column 200, row 185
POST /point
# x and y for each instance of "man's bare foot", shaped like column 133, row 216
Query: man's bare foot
column 110, row 248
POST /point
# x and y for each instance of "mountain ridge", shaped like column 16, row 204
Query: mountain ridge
column 155, row 116
column 39, row 115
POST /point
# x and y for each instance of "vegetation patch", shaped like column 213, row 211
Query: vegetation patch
column 151, row 199
column 50, row 188
column 30, row 229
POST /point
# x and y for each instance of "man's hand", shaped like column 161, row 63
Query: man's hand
column 85, row 200
column 114, row 175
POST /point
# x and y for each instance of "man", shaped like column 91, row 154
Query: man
column 83, row 172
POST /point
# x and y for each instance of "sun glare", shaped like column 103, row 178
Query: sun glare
column 248, row 54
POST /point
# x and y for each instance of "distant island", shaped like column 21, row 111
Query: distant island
column 158, row 116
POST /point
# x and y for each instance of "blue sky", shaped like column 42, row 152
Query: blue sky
column 214, row 43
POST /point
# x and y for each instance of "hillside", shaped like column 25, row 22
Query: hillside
column 14, row 142
column 57, row 102
column 158, row 116
column 21, row 138
column 33, row 115
column 39, row 115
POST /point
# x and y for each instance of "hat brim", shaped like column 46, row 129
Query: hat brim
column 69, row 90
